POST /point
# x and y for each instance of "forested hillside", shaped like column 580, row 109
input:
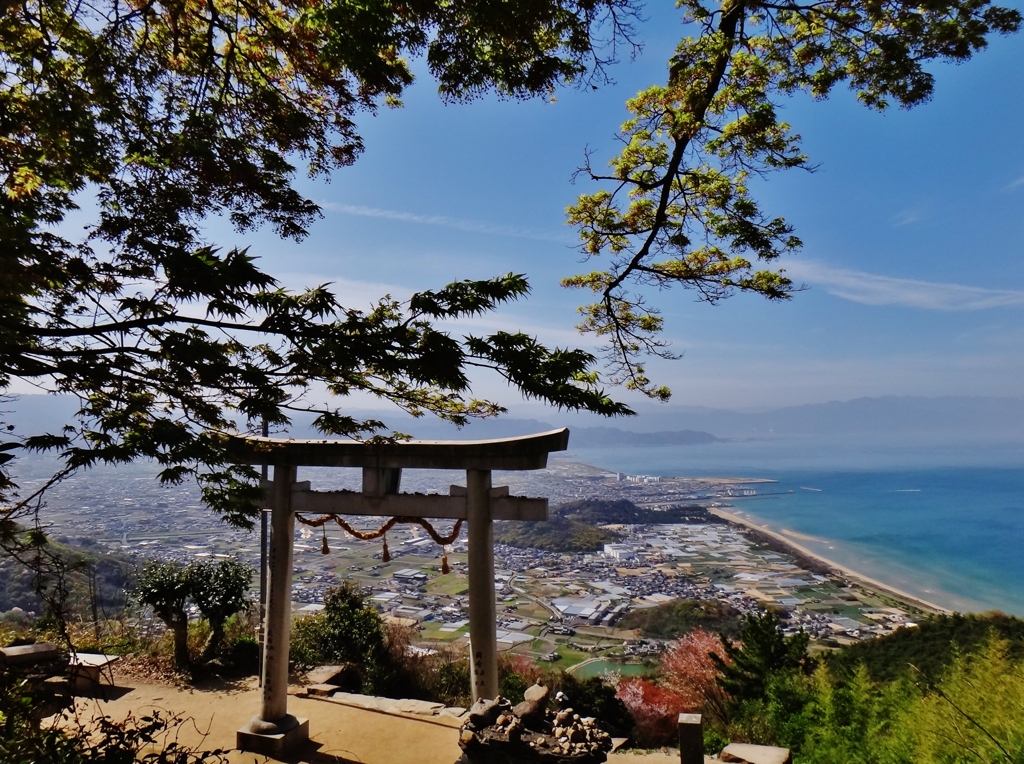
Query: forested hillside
column 929, row 647
column 86, row 572
column 672, row 619
column 575, row 526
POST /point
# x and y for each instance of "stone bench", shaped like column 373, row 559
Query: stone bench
column 27, row 656
column 41, row 666
column 88, row 672
column 743, row 753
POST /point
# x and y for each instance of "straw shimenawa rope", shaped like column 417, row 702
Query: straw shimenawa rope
column 370, row 535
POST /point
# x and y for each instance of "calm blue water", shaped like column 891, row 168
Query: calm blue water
column 946, row 524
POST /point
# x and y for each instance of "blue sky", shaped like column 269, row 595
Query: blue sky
column 912, row 226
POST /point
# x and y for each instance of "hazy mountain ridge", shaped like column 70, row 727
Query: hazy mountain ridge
column 885, row 418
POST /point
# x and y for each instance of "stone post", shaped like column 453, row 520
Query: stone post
column 273, row 730
column 483, row 639
column 691, row 739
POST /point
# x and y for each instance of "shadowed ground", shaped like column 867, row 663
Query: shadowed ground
column 339, row 733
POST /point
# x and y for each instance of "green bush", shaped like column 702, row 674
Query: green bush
column 348, row 631
column 244, row 654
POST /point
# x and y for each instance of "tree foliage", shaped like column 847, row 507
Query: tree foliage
column 165, row 587
column 218, row 589
column 929, row 647
column 678, row 618
column 346, row 631
column 971, row 713
column 762, row 651
column 655, row 711
column 676, row 207
column 150, row 119
column 688, row 670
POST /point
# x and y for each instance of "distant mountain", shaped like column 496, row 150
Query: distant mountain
column 885, row 419
column 903, row 418
column 597, row 437
column 33, row 414
column 36, row 414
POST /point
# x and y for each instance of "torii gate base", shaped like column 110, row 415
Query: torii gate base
column 279, row 739
column 273, row 731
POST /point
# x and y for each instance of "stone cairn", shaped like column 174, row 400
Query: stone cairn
column 495, row 732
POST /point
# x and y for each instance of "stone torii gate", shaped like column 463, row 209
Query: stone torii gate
column 273, row 730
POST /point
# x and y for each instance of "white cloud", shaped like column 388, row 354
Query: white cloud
column 1017, row 183
column 872, row 289
column 350, row 293
column 907, row 217
column 460, row 224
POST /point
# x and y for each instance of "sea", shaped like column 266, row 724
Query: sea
column 942, row 522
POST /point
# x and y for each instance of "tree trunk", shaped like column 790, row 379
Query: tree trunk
column 181, row 659
column 216, row 639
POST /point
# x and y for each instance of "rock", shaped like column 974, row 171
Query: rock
column 563, row 716
column 322, row 674
column 515, row 731
column 484, row 713
column 744, row 753
column 322, row 690
column 352, row 699
column 577, row 735
column 535, row 703
column 347, row 677
column 537, row 693
column 418, row 707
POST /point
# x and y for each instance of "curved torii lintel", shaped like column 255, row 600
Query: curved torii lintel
column 525, row 452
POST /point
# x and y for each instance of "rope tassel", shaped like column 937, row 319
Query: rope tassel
column 385, row 555
column 324, row 549
column 444, row 565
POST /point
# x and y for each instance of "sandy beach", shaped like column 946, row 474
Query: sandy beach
column 789, row 540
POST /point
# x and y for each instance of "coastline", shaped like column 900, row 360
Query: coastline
column 842, row 570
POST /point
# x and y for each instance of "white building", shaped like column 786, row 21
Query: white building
column 619, row 551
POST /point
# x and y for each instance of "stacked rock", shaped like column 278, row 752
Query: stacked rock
column 496, row 733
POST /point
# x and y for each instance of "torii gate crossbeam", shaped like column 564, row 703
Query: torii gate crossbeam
column 273, row 730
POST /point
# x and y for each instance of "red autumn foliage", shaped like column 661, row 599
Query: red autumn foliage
column 655, row 711
column 688, row 670
column 521, row 665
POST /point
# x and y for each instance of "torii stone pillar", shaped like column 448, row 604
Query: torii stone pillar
column 273, row 730
column 483, row 635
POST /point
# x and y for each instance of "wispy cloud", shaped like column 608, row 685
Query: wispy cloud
column 459, row 224
column 1017, row 183
column 872, row 289
column 907, row 217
